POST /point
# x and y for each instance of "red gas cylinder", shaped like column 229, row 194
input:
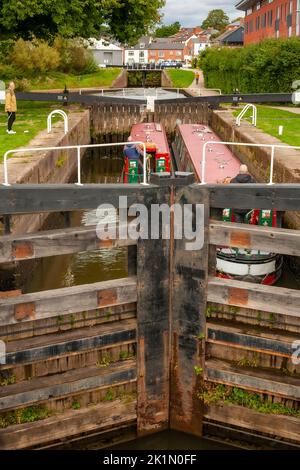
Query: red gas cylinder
column 126, row 170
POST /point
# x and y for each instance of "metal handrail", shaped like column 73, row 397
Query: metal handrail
column 63, row 115
column 245, row 144
column 243, row 112
column 78, row 147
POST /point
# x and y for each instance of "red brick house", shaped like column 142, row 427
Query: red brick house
column 159, row 51
column 270, row 19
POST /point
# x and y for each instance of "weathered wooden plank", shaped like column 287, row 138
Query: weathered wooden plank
column 257, row 380
column 51, row 346
column 67, row 300
column 22, row 199
column 272, row 240
column 286, row 427
column 153, row 330
column 54, row 242
column 283, row 197
column 69, row 424
column 41, row 389
column 254, row 296
column 90, row 318
column 189, row 285
column 251, row 339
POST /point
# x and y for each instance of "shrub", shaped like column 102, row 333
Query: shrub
column 8, row 72
column 5, row 49
column 34, row 56
column 268, row 67
column 74, row 56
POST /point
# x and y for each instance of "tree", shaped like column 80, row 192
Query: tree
column 127, row 19
column 216, row 19
column 165, row 31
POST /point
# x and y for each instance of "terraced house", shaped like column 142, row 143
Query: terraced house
column 270, row 19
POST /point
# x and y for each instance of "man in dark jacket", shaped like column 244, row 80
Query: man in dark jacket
column 242, row 177
column 131, row 151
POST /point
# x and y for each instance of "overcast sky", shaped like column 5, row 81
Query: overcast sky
column 193, row 12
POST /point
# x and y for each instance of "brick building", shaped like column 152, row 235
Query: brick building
column 270, row 19
column 164, row 50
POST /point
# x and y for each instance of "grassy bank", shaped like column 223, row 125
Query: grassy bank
column 269, row 119
column 31, row 119
column 58, row 80
column 181, row 78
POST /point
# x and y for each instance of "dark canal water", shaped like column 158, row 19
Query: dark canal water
column 172, row 440
column 86, row 267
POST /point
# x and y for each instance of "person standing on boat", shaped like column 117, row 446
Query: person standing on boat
column 243, row 177
column 133, row 152
column 10, row 107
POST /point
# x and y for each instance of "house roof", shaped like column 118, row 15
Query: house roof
column 166, row 46
column 143, row 40
column 232, row 37
column 245, row 4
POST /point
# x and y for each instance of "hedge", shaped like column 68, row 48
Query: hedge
column 268, row 67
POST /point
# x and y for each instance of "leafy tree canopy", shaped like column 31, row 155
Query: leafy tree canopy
column 216, row 19
column 127, row 19
column 165, row 31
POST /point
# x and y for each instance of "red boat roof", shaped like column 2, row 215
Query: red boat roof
column 151, row 132
column 220, row 161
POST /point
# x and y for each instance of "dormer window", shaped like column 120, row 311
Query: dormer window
column 142, row 45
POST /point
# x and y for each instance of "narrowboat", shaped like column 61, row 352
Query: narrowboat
column 222, row 165
column 157, row 149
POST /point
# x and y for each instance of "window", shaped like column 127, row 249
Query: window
column 178, row 53
column 161, row 53
column 289, row 21
column 251, row 26
column 142, row 45
column 257, row 23
column 131, row 53
column 270, row 18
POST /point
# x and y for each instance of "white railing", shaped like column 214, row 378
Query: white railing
column 78, row 148
column 60, row 113
column 243, row 112
column 243, row 144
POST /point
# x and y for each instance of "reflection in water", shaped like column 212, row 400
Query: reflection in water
column 86, row 267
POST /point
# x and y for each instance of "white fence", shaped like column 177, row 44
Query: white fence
column 78, row 148
column 243, row 144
